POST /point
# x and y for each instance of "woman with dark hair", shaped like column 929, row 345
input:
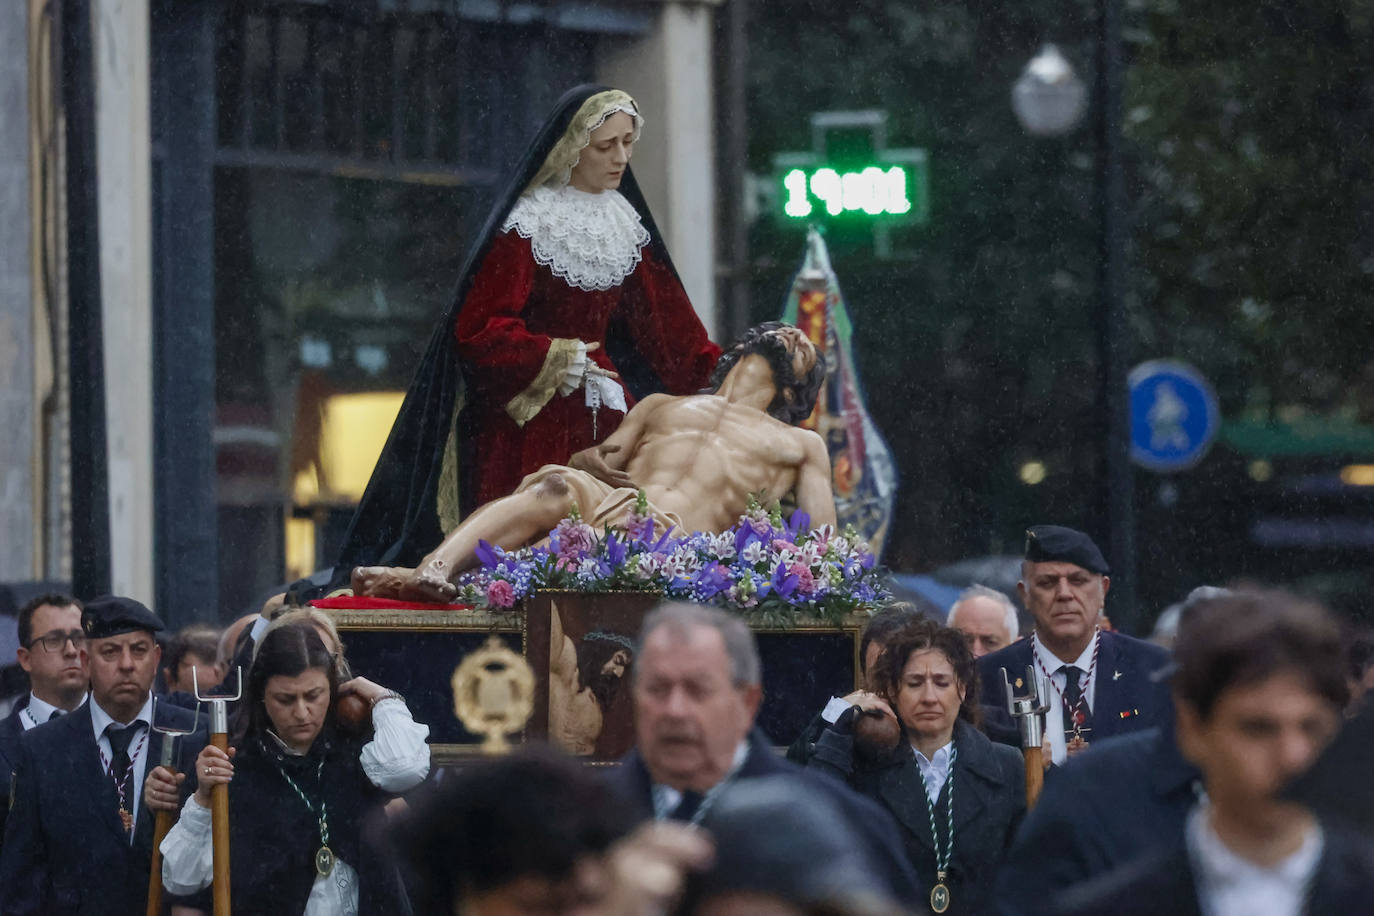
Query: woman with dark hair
column 301, row 793
column 568, row 285
column 957, row 796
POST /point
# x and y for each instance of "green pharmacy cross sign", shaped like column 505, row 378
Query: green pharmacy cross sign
column 852, row 177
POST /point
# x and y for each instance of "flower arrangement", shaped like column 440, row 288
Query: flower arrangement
column 772, row 569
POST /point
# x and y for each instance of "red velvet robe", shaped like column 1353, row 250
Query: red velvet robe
column 512, row 311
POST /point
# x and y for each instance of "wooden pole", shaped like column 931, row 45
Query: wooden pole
column 219, row 821
column 1035, row 775
column 161, row 825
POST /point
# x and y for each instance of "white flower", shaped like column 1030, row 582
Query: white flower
column 753, row 553
column 646, row 565
column 723, row 546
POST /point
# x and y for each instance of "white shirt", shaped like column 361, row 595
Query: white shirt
column 138, row 750
column 396, row 760
column 933, row 772
column 1054, row 716
column 39, row 711
column 666, row 798
column 1228, row 885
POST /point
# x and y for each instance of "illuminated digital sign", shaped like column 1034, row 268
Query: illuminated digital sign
column 871, row 191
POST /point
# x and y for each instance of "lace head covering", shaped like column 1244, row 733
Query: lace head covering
column 567, row 152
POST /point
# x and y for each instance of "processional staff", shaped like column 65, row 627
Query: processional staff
column 171, row 738
column 1028, row 712
column 219, row 793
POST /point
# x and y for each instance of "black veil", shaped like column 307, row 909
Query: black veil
column 397, row 521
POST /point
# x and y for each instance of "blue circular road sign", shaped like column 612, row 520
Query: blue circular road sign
column 1174, row 415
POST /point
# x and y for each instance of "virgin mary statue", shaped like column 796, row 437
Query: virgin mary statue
column 567, row 309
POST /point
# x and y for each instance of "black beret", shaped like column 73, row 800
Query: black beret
column 1055, row 544
column 111, row 615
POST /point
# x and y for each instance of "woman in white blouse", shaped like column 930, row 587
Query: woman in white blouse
column 300, row 791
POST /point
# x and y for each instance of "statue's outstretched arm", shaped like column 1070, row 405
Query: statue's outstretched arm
column 814, row 494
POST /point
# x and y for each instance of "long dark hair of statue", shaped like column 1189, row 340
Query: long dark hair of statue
column 791, row 410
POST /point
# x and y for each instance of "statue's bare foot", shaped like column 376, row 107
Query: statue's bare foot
column 379, row 581
column 402, row 584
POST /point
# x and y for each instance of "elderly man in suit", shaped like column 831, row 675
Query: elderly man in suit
column 52, row 650
column 696, row 686
column 1099, row 683
column 79, row 838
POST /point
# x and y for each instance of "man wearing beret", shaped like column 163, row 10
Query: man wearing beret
column 79, row 838
column 1099, row 683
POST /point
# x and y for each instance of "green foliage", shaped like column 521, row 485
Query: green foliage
column 1248, row 167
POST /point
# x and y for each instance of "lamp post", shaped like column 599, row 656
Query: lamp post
column 1048, row 100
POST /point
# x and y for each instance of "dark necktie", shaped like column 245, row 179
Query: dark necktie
column 686, row 808
column 55, row 714
column 119, row 757
column 1078, row 719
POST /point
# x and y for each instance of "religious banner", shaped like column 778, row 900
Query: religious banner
column 861, row 465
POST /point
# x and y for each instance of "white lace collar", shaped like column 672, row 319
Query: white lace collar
column 592, row 241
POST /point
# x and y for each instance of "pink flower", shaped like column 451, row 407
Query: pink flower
column 575, row 539
column 501, row 593
column 806, row 583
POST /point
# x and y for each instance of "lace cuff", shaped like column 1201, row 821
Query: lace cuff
column 562, row 353
column 576, row 372
column 397, row 758
column 187, row 855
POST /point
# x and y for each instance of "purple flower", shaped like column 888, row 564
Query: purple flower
column 488, row 554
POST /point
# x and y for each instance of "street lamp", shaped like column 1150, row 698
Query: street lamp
column 1049, row 99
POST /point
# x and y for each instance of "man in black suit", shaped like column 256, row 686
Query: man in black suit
column 1099, row 683
column 52, row 649
column 1259, row 690
column 696, row 686
column 79, row 838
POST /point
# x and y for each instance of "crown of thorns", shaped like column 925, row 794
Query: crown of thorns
column 623, row 641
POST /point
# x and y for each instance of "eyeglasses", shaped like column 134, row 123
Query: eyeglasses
column 56, row 641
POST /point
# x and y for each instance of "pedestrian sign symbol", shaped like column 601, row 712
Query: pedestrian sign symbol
column 1174, row 415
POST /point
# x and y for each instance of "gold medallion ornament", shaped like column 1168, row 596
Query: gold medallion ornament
column 324, row 861
column 493, row 694
column 939, row 895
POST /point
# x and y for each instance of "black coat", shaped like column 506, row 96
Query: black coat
column 11, row 728
column 1165, row 883
column 65, row 851
column 1127, row 696
column 1118, row 801
column 989, row 802
column 869, row 821
column 273, row 836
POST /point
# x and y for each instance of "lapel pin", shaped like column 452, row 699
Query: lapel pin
column 1018, row 683
column 1116, row 675
column 1127, row 713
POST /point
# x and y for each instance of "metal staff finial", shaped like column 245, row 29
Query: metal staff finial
column 171, row 737
column 219, row 794
column 1028, row 711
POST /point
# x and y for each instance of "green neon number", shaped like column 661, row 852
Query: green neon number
column 872, row 191
column 797, row 205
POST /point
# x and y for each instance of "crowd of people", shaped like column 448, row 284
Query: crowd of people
column 1190, row 780
column 1221, row 770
